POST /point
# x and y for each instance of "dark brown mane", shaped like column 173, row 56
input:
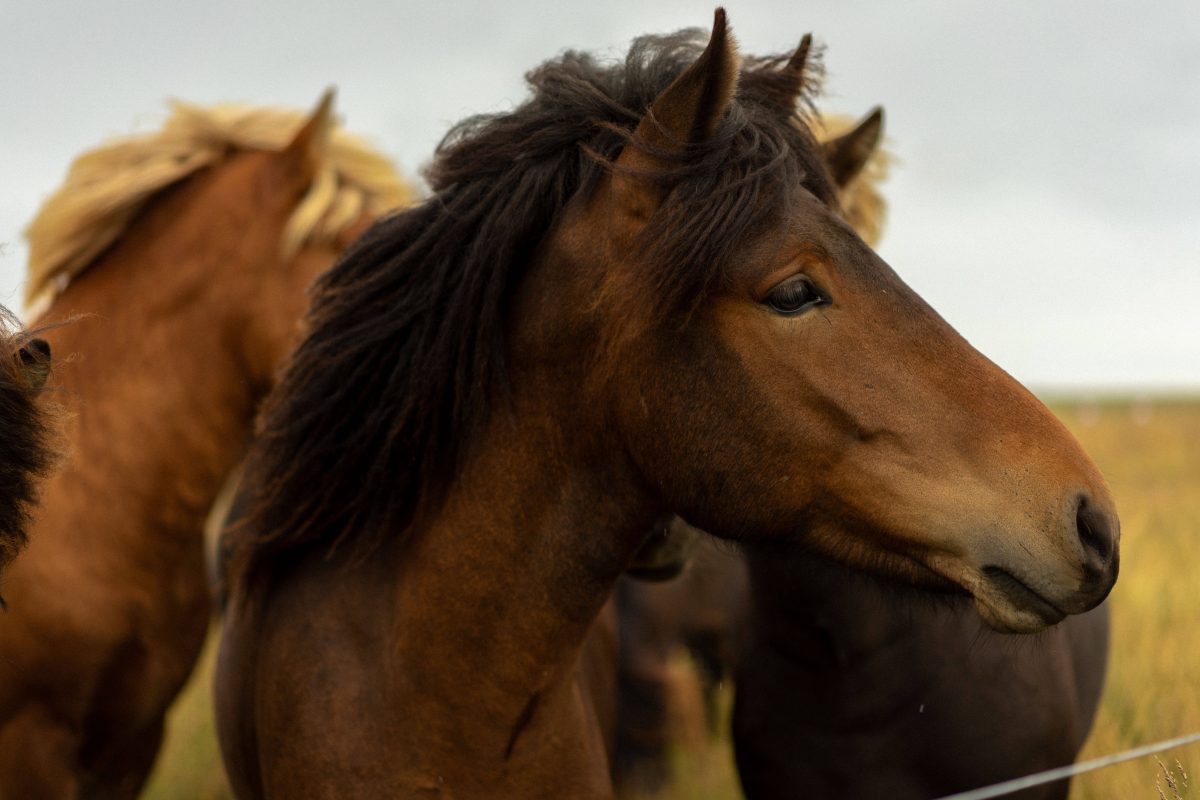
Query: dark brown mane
column 26, row 452
column 406, row 349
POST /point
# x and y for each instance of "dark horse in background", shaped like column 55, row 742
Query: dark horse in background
column 631, row 295
column 26, row 451
column 848, row 686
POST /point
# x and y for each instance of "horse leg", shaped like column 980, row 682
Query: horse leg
column 124, row 770
column 640, row 760
column 37, row 755
column 705, row 647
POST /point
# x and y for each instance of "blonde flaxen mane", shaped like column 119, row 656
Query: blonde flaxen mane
column 108, row 187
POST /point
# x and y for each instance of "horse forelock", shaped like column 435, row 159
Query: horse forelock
column 107, row 188
column 405, row 353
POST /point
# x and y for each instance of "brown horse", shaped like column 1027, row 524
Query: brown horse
column 806, row 726
column 633, row 294
column 187, row 252
column 26, row 450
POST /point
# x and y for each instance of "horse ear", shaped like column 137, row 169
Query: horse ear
column 300, row 160
column 782, row 88
column 35, row 362
column 848, row 154
column 686, row 113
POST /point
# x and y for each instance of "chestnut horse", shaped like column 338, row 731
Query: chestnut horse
column 188, row 253
column 631, row 295
column 26, row 449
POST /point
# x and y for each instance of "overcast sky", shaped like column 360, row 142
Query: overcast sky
column 1047, row 204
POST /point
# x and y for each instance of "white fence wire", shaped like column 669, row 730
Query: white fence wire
column 1060, row 773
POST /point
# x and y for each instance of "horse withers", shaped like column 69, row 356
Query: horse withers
column 631, row 295
column 183, row 257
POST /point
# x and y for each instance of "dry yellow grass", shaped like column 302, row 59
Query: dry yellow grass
column 1150, row 453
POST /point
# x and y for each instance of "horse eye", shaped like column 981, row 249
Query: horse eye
column 795, row 295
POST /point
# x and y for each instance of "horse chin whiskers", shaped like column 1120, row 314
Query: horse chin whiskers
column 1004, row 618
column 1005, row 603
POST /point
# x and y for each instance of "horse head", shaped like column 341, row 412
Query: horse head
column 776, row 382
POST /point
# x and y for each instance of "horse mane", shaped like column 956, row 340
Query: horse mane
column 404, row 359
column 108, row 187
column 863, row 205
column 27, row 450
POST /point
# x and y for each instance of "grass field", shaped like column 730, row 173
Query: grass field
column 1151, row 457
column 1150, row 453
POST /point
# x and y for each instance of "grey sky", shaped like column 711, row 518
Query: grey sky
column 1047, row 204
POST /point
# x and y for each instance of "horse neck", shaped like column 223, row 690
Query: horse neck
column 153, row 374
column 505, row 582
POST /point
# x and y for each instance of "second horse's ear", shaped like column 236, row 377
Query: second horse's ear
column 297, row 163
column 686, row 113
column 849, row 153
column 35, row 362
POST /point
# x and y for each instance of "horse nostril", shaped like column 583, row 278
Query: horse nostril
column 1095, row 531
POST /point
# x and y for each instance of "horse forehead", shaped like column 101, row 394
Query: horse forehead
column 810, row 234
